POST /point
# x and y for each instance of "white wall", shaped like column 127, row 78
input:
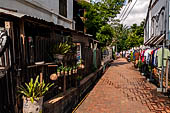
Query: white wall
column 44, row 9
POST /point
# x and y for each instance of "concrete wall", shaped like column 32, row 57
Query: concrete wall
column 44, row 9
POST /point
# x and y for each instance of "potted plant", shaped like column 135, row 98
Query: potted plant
column 60, row 49
column 66, row 70
column 58, row 71
column 62, row 68
column 69, row 70
column 74, row 69
column 33, row 93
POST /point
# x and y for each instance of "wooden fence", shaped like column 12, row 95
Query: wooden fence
column 17, row 64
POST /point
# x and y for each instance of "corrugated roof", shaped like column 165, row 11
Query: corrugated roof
column 16, row 14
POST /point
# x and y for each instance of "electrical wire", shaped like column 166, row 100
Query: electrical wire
column 125, row 11
column 129, row 11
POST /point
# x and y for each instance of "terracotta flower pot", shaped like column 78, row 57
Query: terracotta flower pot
column 58, row 74
column 35, row 107
column 74, row 71
column 69, row 72
column 66, row 73
column 62, row 72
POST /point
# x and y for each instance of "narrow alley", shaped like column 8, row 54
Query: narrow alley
column 123, row 90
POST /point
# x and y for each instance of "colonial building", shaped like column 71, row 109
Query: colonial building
column 157, row 22
column 59, row 12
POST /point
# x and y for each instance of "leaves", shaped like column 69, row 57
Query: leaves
column 98, row 15
column 61, row 48
column 33, row 90
column 126, row 38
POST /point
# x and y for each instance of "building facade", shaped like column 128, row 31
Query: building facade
column 157, row 22
column 59, row 12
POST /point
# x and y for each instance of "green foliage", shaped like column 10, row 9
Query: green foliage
column 79, row 77
column 140, row 63
column 98, row 15
column 135, row 36
column 120, row 36
column 58, row 69
column 61, row 48
column 128, row 37
column 62, row 68
column 34, row 89
column 69, row 68
column 105, row 35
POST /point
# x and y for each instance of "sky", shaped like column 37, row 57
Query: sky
column 138, row 12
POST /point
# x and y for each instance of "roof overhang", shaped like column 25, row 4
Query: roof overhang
column 12, row 13
column 156, row 40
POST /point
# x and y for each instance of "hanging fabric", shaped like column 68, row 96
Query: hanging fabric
column 159, row 55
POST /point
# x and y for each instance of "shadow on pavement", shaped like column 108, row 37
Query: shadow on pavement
column 118, row 63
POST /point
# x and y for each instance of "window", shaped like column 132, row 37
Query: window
column 63, row 7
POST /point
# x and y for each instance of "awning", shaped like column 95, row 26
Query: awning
column 155, row 40
column 159, row 40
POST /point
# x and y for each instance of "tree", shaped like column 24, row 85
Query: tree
column 98, row 16
column 104, row 35
column 135, row 36
column 120, row 36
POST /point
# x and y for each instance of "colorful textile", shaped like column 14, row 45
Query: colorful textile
column 137, row 54
column 166, row 55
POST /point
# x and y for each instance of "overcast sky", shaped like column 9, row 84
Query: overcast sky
column 138, row 13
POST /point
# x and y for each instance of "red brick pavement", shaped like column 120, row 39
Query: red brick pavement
column 123, row 90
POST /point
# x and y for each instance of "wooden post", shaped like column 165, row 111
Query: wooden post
column 41, row 77
column 64, row 83
column 11, row 61
column 22, row 35
column 41, row 74
column 167, row 69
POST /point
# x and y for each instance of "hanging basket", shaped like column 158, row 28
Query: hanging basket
column 35, row 107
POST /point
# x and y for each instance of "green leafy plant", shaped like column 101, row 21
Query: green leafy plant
column 75, row 67
column 79, row 77
column 61, row 48
column 69, row 68
column 62, row 68
column 66, row 68
column 34, row 89
column 58, row 69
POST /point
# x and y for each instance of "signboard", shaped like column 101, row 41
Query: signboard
column 78, row 52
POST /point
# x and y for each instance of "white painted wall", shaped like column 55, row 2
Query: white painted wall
column 44, row 9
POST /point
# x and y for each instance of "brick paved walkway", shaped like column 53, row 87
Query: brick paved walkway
column 124, row 90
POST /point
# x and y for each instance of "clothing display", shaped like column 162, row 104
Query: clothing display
column 137, row 54
column 151, row 56
column 152, row 62
column 166, row 55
